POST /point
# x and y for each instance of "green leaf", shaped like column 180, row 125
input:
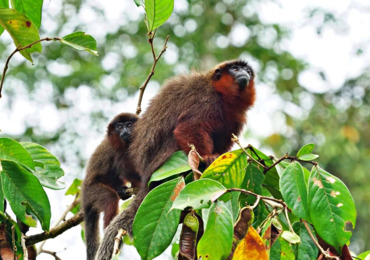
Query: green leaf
column 228, row 169
column 294, row 190
column 271, row 181
column 30, row 8
column 308, row 157
column 13, row 151
column 3, row 4
column 252, row 182
column 307, row 248
column 81, row 41
column 157, row 12
column 48, row 169
column 363, row 255
column 307, row 149
column 75, row 187
column 25, row 194
column 217, row 239
column 291, row 237
column 155, row 224
column 331, row 207
column 199, row 194
column 176, row 164
column 21, row 29
column 281, row 250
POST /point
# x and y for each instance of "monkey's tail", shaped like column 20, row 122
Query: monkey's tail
column 91, row 232
column 123, row 220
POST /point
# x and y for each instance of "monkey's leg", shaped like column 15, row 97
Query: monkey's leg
column 97, row 198
column 124, row 220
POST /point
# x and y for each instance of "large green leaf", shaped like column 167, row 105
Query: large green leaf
column 217, row 239
column 81, row 41
column 307, row 248
column 294, row 190
column 25, row 195
column 21, row 29
column 176, row 164
column 199, row 194
column 331, row 207
column 228, row 169
column 13, row 151
column 48, row 169
column 30, row 8
column 155, row 223
column 157, row 12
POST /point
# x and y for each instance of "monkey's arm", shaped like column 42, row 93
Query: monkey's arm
column 198, row 135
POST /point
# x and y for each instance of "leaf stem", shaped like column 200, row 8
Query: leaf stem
column 151, row 73
column 323, row 252
column 235, row 139
column 19, row 48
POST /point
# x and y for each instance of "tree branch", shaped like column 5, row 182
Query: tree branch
column 62, row 218
column 19, row 48
column 151, row 73
column 73, row 221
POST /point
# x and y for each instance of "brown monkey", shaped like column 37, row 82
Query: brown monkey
column 107, row 172
column 203, row 109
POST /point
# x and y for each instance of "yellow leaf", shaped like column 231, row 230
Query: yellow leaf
column 251, row 247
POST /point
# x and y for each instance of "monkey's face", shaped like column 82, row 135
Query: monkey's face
column 231, row 73
column 124, row 130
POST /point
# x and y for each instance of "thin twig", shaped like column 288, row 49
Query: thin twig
column 73, row 221
column 51, row 253
column 25, row 250
column 276, row 163
column 151, row 73
column 258, row 198
column 19, row 48
column 288, row 220
column 117, row 241
column 235, row 139
column 323, row 252
column 287, row 157
column 13, row 243
column 62, row 218
column 257, row 195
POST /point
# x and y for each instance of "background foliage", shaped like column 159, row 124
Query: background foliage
column 64, row 101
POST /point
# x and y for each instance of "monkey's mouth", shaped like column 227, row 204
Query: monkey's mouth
column 243, row 81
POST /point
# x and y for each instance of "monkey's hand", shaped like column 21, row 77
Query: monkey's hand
column 125, row 192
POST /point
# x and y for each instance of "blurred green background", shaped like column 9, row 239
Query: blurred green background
column 311, row 60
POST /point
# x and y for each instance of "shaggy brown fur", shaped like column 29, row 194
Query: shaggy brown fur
column 203, row 109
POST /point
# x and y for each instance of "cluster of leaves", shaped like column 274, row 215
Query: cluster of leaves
column 24, row 168
column 238, row 208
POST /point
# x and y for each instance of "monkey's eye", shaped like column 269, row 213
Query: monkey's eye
column 119, row 126
column 234, row 68
column 129, row 125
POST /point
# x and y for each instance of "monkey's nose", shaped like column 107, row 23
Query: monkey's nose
column 243, row 80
